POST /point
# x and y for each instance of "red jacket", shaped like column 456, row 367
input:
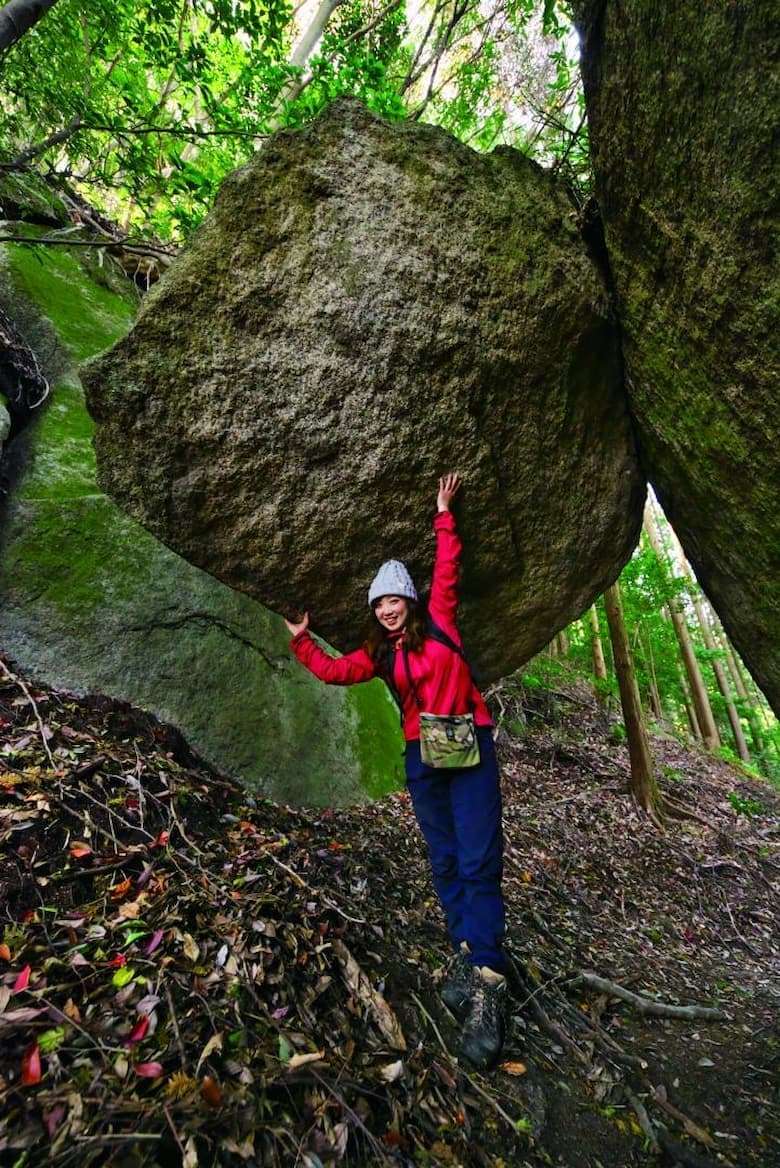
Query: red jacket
column 441, row 677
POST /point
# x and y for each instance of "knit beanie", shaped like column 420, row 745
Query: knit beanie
column 392, row 579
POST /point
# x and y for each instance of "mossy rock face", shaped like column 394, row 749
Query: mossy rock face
column 26, row 197
column 91, row 602
column 368, row 306
column 682, row 104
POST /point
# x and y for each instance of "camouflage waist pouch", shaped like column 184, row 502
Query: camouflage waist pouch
column 448, row 740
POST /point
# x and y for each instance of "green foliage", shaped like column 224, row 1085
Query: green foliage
column 149, row 106
column 746, row 806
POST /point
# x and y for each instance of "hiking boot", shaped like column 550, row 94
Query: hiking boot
column 485, row 1028
column 458, row 985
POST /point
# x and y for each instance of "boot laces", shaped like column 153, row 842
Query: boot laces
column 486, row 1004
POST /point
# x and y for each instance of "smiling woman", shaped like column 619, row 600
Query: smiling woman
column 451, row 768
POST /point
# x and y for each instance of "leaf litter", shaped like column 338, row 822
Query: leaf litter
column 193, row 975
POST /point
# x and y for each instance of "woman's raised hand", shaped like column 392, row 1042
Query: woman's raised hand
column 298, row 628
column 448, row 486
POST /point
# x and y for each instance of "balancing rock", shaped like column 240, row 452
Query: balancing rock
column 368, row 305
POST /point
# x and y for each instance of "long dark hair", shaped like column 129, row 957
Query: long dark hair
column 377, row 644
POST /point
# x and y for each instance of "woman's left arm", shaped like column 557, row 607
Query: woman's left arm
column 443, row 600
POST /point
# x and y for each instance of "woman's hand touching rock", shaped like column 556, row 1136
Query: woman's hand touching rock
column 448, row 486
column 300, row 626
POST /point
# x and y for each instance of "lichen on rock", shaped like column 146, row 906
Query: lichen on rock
column 367, row 306
column 682, row 106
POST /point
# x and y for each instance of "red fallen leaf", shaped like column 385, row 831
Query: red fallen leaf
column 5, row 952
column 31, row 1065
column 391, row 1138
column 149, row 1070
column 78, row 851
column 335, row 846
column 121, row 889
column 247, row 827
column 117, row 961
column 211, row 1091
column 161, row 840
column 154, row 941
column 132, row 802
column 28, row 916
column 22, row 980
column 138, row 1033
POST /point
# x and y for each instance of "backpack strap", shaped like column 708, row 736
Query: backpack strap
column 436, row 633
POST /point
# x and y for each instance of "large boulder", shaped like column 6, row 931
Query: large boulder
column 682, row 104
column 368, row 305
column 89, row 601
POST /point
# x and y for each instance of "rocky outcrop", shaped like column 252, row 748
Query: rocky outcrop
column 368, row 305
column 682, row 104
column 91, row 602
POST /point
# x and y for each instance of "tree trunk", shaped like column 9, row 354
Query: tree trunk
column 709, row 640
column 563, row 643
column 643, row 784
column 739, row 685
column 689, row 707
column 597, row 652
column 18, row 17
column 701, row 701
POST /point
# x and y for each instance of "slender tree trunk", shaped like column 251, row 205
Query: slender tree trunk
column 739, row 685
column 701, row 701
column 643, row 784
column 655, row 697
column 18, row 17
column 562, row 643
column 597, row 652
column 709, row 640
column 689, row 707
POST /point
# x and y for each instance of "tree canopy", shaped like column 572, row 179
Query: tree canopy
column 151, row 105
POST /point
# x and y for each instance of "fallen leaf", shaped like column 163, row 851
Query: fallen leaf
column 154, row 941
column 123, row 976
column 120, row 890
column 5, row 952
column 149, row 1070
column 191, row 950
column 138, row 1033
column 79, row 850
column 214, row 1043
column 371, row 998
column 22, row 980
column 52, row 1119
column 211, row 1091
column 514, row 1068
column 392, row 1071
column 190, row 1157
column 31, row 1065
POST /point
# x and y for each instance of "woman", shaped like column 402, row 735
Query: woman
column 458, row 807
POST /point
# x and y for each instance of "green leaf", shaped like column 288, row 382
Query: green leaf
column 123, row 976
column 51, row 1039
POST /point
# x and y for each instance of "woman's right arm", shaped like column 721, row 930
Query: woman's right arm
column 347, row 670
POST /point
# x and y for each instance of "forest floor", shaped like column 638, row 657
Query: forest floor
column 192, row 976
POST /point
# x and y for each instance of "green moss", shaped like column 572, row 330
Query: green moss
column 87, row 316
column 378, row 742
column 64, row 463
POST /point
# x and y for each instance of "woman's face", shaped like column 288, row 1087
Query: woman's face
column 391, row 612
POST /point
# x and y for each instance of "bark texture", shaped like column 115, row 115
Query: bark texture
column 367, row 306
column 682, row 102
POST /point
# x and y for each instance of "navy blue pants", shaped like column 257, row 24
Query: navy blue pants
column 459, row 812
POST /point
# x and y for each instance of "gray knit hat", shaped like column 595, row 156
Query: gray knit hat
column 392, row 579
